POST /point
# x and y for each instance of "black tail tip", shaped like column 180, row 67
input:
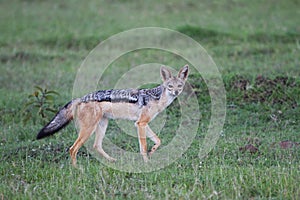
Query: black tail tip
column 42, row 134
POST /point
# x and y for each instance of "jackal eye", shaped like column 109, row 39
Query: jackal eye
column 180, row 86
column 170, row 86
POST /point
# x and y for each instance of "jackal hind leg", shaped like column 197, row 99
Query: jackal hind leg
column 100, row 133
column 84, row 134
column 154, row 138
column 87, row 117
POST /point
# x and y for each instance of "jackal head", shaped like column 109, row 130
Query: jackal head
column 174, row 84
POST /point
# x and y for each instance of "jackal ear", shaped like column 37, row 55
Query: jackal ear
column 165, row 73
column 183, row 73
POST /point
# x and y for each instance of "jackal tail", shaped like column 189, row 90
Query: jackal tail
column 64, row 116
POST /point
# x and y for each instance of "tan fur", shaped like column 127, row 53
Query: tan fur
column 93, row 116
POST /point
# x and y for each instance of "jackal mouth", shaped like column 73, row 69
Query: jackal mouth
column 174, row 93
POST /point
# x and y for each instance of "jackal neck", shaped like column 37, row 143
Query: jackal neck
column 139, row 96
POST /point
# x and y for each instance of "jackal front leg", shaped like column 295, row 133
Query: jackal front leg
column 141, row 126
column 154, row 138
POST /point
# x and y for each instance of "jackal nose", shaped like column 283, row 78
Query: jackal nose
column 176, row 92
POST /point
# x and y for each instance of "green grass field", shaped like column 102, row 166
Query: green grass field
column 256, row 47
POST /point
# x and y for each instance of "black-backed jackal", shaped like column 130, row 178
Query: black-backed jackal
column 93, row 110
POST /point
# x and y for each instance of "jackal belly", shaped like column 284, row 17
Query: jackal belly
column 121, row 110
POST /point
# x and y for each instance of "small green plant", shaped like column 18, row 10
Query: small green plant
column 38, row 105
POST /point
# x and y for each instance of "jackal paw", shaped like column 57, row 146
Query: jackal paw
column 111, row 159
column 145, row 158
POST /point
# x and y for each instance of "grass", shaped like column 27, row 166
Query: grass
column 256, row 48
